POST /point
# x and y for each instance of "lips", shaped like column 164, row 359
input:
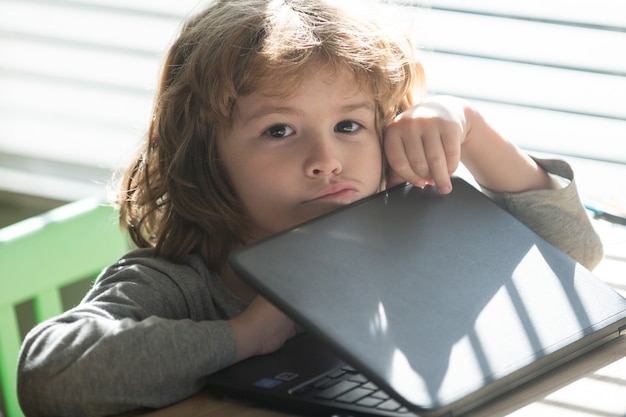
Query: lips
column 336, row 192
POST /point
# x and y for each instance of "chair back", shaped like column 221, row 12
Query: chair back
column 38, row 257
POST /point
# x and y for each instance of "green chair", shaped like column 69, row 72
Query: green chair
column 38, row 257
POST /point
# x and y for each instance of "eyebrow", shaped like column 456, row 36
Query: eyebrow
column 365, row 105
column 273, row 110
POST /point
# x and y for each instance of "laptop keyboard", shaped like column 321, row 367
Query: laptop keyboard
column 346, row 385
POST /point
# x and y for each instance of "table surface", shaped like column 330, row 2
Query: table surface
column 592, row 386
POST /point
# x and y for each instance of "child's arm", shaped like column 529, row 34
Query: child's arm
column 426, row 143
column 253, row 334
column 146, row 335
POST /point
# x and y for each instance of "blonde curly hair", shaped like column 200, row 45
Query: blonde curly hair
column 175, row 196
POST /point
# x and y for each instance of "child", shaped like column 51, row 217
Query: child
column 268, row 113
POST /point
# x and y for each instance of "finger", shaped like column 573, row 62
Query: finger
column 415, row 152
column 437, row 160
column 396, row 154
column 452, row 148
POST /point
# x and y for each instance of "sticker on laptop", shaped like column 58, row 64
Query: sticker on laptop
column 270, row 383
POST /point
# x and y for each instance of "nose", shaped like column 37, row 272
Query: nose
column 323, row 157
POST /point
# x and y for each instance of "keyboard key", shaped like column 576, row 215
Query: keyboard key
column 353, row 395
column 389, row 405
column 370, row 385
column 337, row 389
column 370, row 402
column 325, row 383
column 358, row 378
column 381, row 394
column 336, row 373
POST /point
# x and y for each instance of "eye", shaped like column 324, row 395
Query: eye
column 279, row 131
column 347, row 126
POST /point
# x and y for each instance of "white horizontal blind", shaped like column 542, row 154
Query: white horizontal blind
column 551, row 74
column 76, row 87
column 77, row 77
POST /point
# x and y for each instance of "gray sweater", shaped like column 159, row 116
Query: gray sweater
column 149, row 330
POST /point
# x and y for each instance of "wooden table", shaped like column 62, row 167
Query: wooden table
column 594, row 386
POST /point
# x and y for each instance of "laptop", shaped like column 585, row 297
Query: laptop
column 416, row 303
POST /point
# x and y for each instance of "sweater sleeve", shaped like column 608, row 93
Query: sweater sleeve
column 556, row 215
column 145, row 336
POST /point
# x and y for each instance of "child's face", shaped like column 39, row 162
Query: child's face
column 293, row 158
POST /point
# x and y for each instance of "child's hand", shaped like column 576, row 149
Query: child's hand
column 423, row 144
column 426, row 143
column 261, row 329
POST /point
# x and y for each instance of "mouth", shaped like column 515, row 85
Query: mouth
column 336, row 192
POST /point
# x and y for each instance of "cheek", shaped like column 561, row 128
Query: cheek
column 236, row 162
column 374, row 166
column 256, row 183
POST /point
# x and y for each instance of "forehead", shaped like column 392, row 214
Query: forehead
column 283, row 77
column 337, row 85
column 344, row 84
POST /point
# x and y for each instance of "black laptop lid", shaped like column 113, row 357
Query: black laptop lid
column 444, row 301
